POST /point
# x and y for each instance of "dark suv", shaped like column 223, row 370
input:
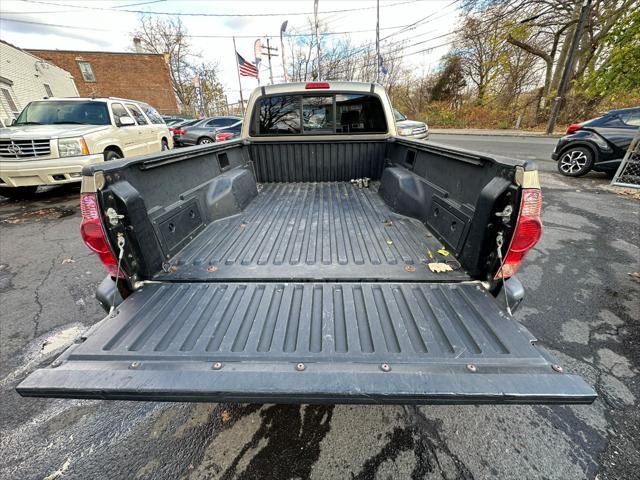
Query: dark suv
column 598, row 144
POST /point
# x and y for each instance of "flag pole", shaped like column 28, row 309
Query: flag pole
column 235, row 53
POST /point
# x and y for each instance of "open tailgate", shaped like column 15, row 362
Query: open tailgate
column 309, row 343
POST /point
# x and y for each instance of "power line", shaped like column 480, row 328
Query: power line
column 206, row 14
column 414, row 24
column 302, row 34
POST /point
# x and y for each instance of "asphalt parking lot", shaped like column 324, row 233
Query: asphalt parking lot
column 581, row 303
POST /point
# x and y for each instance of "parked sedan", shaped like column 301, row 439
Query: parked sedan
column 177, row 129
column 598, row 144
column 206, row 132
column 169, row 120
column 229, row 133
column 410, row 128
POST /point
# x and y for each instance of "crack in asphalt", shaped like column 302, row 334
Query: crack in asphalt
column 54, row 263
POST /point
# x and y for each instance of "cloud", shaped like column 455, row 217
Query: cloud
column 238, row 23
column 25, row 28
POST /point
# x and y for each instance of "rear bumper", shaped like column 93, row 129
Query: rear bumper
column 45, row 172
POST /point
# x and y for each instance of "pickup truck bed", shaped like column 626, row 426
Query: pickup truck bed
column 313, row 231
column 255, row 271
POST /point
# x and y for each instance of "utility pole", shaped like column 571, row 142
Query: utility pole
column 568, row 68
column 284, row 65
column 377, row 40
column 315, row 14
column 269, row 55
column 235, row 53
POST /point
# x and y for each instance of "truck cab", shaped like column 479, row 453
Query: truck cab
column 54, row 138
column 319, row 258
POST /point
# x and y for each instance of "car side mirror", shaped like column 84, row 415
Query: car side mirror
column 13, row 122
column 126, row 121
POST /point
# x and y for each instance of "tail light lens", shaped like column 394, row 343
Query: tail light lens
column 316, row 85
column 178, row 131
column 573, row 128
column 222, row 136
column 94, row 235
column 528, row 232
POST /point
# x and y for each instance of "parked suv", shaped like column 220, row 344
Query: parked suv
column 54, row 138
column 598, row 144
column 410, row 128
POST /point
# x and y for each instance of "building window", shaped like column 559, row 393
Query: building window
column 87, row 71
column 47, row 88
column 10, row 101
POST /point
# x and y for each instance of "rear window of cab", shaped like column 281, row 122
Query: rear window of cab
column 328, row 114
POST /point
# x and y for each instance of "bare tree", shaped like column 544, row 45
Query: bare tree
column 168, row 36
column 481, row 48
column 340, row 58
column 213, row 95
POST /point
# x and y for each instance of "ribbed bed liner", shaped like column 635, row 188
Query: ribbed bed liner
column 313, row 231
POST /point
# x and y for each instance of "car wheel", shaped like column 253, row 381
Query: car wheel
column 165, row 145
column 18, row 192
column 575, row 161
column 204, row 140
column 111, row 155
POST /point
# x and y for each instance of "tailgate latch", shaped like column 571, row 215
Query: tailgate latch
column 113, row 216
column 505, row 214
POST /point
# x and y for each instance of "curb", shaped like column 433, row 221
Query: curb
column 491, row 133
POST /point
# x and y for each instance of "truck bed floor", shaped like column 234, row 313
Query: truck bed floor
column 313, row 231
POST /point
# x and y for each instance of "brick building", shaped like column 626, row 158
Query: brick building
column 137, row 76
column 25, row 77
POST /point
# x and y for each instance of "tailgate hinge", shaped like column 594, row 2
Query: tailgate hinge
column 114, row 217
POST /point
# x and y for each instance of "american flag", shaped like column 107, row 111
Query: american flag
column 247, row 69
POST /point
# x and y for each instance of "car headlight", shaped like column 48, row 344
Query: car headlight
column 404, row 131
column 72, row 147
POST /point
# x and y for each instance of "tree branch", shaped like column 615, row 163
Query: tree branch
column 529, row 48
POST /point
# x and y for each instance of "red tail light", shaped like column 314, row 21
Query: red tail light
column 316, row 85
column 94, row 235
column 222, row 136
column 178, row 131
column 527, row 233
column 573, row 128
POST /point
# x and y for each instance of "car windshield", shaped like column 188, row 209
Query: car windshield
column 398, row 116
column 64, row 112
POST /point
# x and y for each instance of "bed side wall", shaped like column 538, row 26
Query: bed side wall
column 455, row 195
column 169, row 200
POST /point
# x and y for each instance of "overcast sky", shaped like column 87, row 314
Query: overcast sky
column 104, row 26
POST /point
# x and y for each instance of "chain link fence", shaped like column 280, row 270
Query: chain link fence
column 628, row 174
